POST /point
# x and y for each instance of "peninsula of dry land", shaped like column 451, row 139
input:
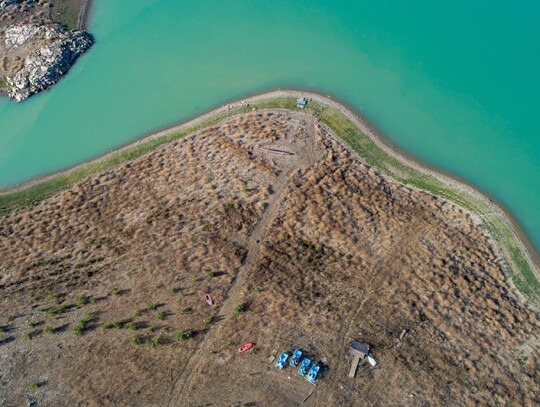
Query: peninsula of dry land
column 103, row 283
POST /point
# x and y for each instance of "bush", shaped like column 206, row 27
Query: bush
column 132, row 326
column 136, row 340
column 153, row 306
column 48, row 330
column 78, row 330
column 185, row 310
column 115, row 292
column 81, row 301
column 208, row 321
column 156, row 341
column 182, row 336
column 34, row 386
column 238, row 309
column 119, row 324
column 211, row 274
column 161, row 315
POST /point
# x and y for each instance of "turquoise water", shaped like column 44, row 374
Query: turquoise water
column 456, row 84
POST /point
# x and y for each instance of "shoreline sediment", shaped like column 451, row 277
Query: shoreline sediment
column 383, row 143
column 84, row 16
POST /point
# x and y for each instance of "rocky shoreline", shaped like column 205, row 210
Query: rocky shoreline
column 35, row 51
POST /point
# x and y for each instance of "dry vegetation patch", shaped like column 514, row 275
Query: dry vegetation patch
column 103, row 284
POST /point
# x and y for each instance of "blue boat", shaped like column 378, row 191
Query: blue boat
column 304, row 367
column 297, row 355
column 280, row 364
column 313, row 372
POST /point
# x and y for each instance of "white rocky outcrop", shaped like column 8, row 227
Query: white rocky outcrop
column 4, row 4
column 17, row 35
column 56, row 51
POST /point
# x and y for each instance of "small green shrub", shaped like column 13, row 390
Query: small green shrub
column 136, row 340
column 185, row 310
column 211, row 274
column 132, row 326
column 182, row 336
column 156, row 341
column 161, row 315
column 78, row 329
column 208, row 321
column 119, row 324
column 81, row 301
column 48, row 330
column 238, row 309
column 115, row 292
column 34, row 386
column 522, row 358
column 153, row 306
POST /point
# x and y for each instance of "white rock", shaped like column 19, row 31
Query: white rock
column 44, row 66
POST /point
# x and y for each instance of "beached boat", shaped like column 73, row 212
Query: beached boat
column 245, row 347
column 302, row 371
column 297, row 355
column 280, row 364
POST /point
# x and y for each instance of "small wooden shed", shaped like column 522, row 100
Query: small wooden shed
column 358, row 350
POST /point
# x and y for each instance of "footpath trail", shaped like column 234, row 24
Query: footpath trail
column 306, row 155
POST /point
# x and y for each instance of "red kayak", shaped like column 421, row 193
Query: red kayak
column 208, row 299
column 245, row 346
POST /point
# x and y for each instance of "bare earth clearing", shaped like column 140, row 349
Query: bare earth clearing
column 101, row 283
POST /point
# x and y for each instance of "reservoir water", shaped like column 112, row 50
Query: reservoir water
column 456, row 84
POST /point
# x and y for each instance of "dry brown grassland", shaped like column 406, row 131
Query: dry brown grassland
column 102, row 284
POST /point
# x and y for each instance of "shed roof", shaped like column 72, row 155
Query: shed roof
column 360, row 347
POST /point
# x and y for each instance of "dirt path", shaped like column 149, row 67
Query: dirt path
column 306, row 155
